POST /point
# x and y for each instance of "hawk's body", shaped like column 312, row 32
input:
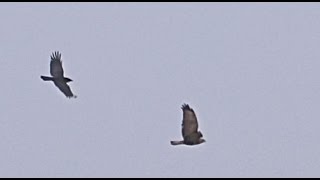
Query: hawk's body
column 190, row 133
column 58, row 79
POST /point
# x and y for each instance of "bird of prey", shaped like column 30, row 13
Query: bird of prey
column 190, row 133
column 58, row 79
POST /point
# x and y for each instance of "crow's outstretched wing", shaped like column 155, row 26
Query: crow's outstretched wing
column 63, row 86
column 56, row 69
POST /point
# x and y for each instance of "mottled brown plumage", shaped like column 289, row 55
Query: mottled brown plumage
column 190, row 133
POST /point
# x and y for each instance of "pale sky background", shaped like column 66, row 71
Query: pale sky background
column 249, row 70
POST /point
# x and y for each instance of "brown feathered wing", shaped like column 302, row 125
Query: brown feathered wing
column 190, row 132
column 189, row 121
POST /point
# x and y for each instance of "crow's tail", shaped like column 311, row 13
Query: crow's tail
column 45, row 78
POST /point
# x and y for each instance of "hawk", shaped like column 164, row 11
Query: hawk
column 190, row 133
column 58, row 79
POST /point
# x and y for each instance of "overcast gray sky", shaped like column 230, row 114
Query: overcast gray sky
column 249, row 70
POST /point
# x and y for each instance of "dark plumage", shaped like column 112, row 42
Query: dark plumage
column 58, row 79
column 190, row 133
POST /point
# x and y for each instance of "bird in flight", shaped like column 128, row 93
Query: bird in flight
column 191, row 135
column 58, row 79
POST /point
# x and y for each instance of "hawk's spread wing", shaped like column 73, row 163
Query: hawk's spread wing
column 56, row 69
column 64, row 88
column 189, row 121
